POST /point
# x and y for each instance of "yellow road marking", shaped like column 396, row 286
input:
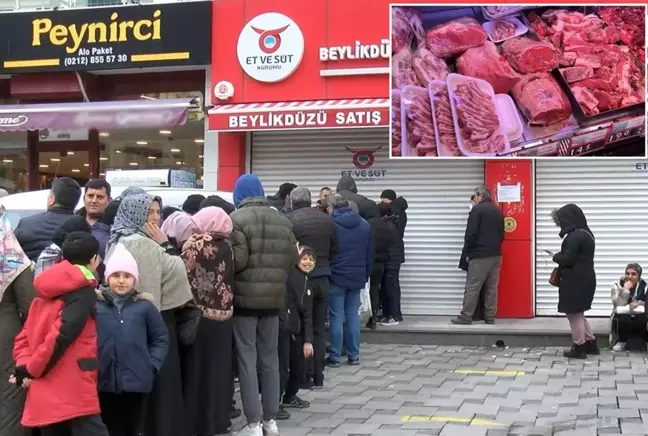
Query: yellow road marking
column 492, row 372
column 455, row 419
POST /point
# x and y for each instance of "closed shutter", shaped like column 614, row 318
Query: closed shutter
column 438, row 193
column 613, row 194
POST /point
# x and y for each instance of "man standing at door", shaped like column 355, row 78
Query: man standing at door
column 483, row 250
column 96, row 199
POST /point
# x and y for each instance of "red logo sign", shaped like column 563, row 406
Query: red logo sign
column 269, row 40
column 363, row 159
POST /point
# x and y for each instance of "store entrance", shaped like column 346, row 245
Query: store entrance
column 78, row 160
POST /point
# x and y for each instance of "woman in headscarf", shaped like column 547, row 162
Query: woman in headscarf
column 178, row 227
column 163, row 275
column 209, row 261
column 167, row 211
column 629, row 301
column 577, row 278
column 16, row 294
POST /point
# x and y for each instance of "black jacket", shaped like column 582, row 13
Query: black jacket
column 276, row 202
column 297, row 315
column 395, row 255
column 575, row 261
column 347, row 188
column 34, row 233
column 399, row 207
column 316, row 230
column 484, row 231
column 380, row 231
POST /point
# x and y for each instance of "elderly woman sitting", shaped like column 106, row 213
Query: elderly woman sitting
column 628, row 317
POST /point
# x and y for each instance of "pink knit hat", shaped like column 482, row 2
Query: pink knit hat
column 121, row 260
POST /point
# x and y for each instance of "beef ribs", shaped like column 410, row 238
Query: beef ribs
column 445, row 122
column 478, row 121
column 429, row 67
column 396, row 132
column 421, row 139
column 574, row 74
column 402, row 70
column 541, row 100
column 487, row 64
column 587, row 101
column 455, row 37
column 529, row 56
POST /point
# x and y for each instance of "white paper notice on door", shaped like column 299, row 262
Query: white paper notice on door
column 509, row 193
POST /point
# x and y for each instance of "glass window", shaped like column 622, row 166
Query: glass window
column 73, row 164
column 13, row 161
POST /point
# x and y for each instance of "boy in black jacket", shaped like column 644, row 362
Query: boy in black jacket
column 296, row 332
column 390, row 288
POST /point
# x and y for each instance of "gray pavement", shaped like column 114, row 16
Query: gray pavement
column 402, row 390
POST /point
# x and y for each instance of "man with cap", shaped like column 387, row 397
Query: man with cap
column 265, row 250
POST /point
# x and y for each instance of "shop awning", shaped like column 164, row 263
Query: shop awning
column 315, row 114
column 102, row 115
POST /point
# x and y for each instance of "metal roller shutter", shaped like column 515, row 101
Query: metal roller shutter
column 438, row 193
column 614, row 196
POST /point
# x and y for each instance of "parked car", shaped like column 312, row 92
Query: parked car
column 25, row 204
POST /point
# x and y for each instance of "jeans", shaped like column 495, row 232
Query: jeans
column 344, row 303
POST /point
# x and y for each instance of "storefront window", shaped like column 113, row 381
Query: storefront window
column 73, row 164
column 13, row 161
column 179, row 148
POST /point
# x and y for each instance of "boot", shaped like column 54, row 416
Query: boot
column 371, row 324
column 576, row 352
column 591, row 347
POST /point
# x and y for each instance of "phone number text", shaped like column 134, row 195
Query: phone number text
column 95, row 60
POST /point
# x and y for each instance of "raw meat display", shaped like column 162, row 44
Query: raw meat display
column 455, row 37
column 396, row 132
column 402, row 70
column 587, row 101
column 500, row 10
column 487, row 64
column 478, row 121
column 574, row 74
column 428, row 67
column 406, row 25
column 420, row 130
column 503, row 29
column 445, row 122
column 541, row 99
column 529, row 56
column 631, row 22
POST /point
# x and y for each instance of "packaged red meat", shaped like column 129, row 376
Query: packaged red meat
column 428, row 67
column 401, row 37
column 418, row 135
column 477, row 123
column 504, row 28
column 529, row 56
column 455, row 37
column 446, row 138
column 495, row 12
column 541, row 99
column 487, row 64
column 396, row 133
column 402, row 70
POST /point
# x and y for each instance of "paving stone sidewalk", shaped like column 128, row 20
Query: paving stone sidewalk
column 467, row 391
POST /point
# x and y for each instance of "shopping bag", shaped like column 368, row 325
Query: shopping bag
column 625, row 310
column 365, row 305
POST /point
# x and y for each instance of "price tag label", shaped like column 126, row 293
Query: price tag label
column 627, row 129
column 550, row 149
column 586, row 149
column 586, row 143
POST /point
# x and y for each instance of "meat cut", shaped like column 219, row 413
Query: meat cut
column 402, row 70
column 455, row 37
column 502, row 30
column 631, row 22
column 487, row 64
column 541, row 99
column 421, row 139
column 529, row 56
column 586, row 99
column 479, row 124
column 401, row 36
column 445, row 122
column 396, row 132
column 574, row 74
column 428, row 67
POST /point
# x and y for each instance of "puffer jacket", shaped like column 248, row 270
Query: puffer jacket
column 34, row 233
column 316, row 230
column 380, row 231
column 395, row 252
column 265, row 250
column 347, row 188
column 352, row 266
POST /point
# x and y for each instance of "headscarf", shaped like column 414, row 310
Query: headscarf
column 167, row 211
column 247, row 186
column 179, row 226
column 13, row 259
column 131, row 216
column 132, row 190
column 635, row 267
column 213, row 219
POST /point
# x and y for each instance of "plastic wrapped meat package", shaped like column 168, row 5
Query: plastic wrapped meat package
column 403, row 70
column 406, row 26
column 541, row 99
column 529, row 56
column 443, row 121
column 428, row 67
column 487, row 64
column 418, row 135
column 396, row 133
column 455, row 37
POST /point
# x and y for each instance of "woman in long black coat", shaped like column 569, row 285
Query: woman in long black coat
column 577, row 277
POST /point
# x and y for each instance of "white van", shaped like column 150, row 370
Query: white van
column 30, row 203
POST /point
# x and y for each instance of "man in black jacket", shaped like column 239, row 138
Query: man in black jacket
column 348, row 190
column 316, row 230
column 397, row 207
column 483, row 251
column 381, row 236
column 278, row 201
column 34, row 233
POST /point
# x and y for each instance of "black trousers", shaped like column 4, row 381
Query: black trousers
column 122, row 413
column 392, row 293
column 375, row 287
column 631, row 326
column 291, row 364
column 84, row 426
column 315, row 366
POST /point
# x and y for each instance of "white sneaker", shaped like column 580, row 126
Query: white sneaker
column 270, row 428
column 251, row 431
column 389, row 322
column 619, row 346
